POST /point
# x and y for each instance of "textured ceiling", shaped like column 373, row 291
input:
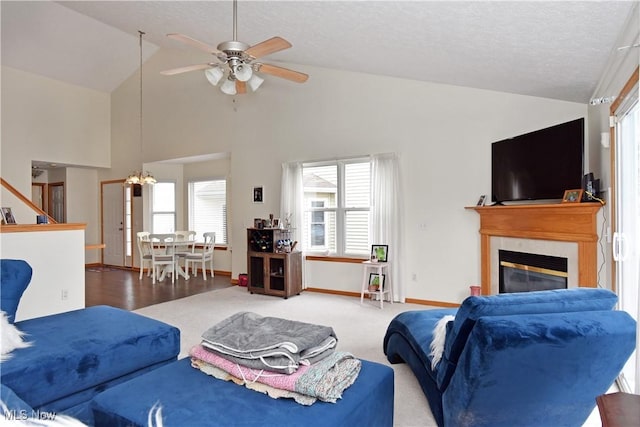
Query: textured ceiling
column 553, row 49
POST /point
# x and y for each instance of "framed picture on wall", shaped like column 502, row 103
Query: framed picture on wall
column 258, row 194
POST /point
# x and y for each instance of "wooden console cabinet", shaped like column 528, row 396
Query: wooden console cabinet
column 271, row 272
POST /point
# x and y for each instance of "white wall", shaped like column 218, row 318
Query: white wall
column 441, row 133
column 81, row 185
column 57, row 260
column 52, row 121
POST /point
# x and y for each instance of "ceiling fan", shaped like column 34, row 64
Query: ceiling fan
column 237, row 61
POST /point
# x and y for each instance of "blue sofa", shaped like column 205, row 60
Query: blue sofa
column 78, row 354
column 525, row 359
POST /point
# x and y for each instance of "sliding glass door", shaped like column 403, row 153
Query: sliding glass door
column 626, row 239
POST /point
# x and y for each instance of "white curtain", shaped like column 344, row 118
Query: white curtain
column 292, row 199
column 386, row 215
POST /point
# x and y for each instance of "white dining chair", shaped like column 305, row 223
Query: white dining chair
column 144, row 252
column 185, row 244
column 202, row 257
column 163, row 256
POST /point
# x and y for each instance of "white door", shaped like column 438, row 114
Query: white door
column 56, row 201
column 113, row 223
column 626, row 242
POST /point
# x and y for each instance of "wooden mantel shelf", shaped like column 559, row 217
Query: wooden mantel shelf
column 566, row 222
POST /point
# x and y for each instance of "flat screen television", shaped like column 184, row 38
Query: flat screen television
column 539, row 165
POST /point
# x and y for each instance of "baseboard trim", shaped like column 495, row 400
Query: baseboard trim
column 408, row 300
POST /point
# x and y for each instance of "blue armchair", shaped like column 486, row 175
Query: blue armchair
column 525, row 359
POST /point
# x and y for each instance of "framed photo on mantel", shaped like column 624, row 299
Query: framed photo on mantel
column 572, row 196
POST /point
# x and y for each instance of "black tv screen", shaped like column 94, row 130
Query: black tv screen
column 539, row 165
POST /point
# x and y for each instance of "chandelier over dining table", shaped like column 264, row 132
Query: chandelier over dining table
column 140, row 177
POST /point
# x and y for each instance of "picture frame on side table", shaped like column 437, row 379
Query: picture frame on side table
column 7, row 216
column 481, row 200
column 275, row 223
column 379, row 252
column 376, row 282
column 572, row 196
column 258, row 194
column 257, row 223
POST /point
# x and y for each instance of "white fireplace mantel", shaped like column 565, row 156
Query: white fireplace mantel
column 562, row 222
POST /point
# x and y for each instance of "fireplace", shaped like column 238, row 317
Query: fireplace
column 564, row 229
column 526, row 272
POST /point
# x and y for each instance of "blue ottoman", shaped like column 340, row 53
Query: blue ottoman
column 191, row 398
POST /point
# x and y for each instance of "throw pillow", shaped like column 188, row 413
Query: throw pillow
column 15, row 275
column 11, row 337
column 437, row 343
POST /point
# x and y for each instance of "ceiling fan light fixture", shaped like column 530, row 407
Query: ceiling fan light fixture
column 214, row 75
column 228, row 87
column 242, row 72
column 255, row 82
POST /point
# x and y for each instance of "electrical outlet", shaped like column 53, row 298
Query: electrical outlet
column 64, row 294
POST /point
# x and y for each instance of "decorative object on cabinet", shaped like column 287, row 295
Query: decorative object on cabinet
column 481, row 200
column 380, row 252
column 273, row 267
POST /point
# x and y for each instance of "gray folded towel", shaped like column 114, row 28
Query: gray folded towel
column 270, row 343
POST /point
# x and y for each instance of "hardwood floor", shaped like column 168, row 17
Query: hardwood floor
column 123, row 288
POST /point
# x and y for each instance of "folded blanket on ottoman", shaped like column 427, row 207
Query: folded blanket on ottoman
column 272, row 343
column 324, row 380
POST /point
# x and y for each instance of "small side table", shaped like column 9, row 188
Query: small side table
column 378, row 268
column 619, row 409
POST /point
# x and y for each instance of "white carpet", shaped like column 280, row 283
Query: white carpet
column 359, row 328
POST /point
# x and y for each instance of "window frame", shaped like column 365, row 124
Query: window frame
column 223, row 239
column 153, row 212
column 340, row 210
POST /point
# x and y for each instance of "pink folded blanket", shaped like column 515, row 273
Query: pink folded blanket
column 325, row 380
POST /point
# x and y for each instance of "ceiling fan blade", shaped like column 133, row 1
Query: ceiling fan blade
column 193, row 42
column 241, row 87
column 185, row 69
column 268, row 47
column 284, row 73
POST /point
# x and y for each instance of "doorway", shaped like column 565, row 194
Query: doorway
column 626, row 206
column 38, row 195
column 55, row 203
column 112, row 200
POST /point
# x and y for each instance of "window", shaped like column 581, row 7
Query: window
column 336, row 207
column 208, row 208
column 163, row 214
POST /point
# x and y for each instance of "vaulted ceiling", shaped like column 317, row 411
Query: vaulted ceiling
column 553, row 49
